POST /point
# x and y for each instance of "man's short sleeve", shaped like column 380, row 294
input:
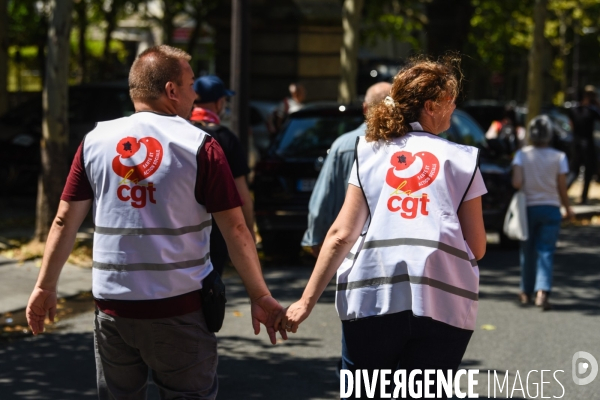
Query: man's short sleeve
column 518, row 159
column 215, row 187
column 78, row 186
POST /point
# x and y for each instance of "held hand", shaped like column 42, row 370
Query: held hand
column 41, row 301
column 293, row 317
column 265, row 311
column 570, row 214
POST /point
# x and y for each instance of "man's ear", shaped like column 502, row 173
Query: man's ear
column 222, row 102
column 172, row 91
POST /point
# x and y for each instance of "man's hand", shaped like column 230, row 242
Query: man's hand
column 291, row 318
column 41, row 301
column 265, row 311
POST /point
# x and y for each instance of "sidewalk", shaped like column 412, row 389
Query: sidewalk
column 593, row 206
column 17, row 281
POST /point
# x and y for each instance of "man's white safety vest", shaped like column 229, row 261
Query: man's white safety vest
column 413, row 255
column 152, row 236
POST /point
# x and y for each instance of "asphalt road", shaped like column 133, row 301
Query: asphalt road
column 60, row 365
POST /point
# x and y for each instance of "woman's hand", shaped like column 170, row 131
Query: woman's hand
column 570, row 214
column 291, row 317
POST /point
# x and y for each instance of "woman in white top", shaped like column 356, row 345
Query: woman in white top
column 540, row 171
column 406, row 243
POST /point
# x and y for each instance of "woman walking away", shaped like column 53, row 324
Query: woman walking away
column 541, row 172
column 406, row 241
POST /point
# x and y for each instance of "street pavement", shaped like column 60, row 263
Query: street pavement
column 17, row 281
column 60, row 365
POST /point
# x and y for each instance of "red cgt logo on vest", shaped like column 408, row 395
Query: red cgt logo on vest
column 134, row 167
column 411, row 173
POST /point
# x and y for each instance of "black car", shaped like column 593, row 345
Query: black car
column 21, row 130
column 284, row 179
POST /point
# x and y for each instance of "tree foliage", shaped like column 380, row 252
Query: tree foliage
column 401, row 20
column 494, row 35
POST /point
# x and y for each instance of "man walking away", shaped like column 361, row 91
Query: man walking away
column 291, row 104
column 330, row 189
column 583, row 118
column 154, row 180
column 208, row 109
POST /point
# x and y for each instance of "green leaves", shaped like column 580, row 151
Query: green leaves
column 401, row 20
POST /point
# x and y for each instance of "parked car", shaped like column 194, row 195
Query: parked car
column 285, row 178
column 494, row 166
column 21, row 130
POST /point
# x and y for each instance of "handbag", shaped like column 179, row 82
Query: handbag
column 515, row 220
column 213, row 301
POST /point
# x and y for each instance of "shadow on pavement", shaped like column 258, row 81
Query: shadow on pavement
column 269, row 375
column 50, row 366
column 576, row 273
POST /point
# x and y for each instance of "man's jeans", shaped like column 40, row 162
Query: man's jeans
column 180, row 351
column 537, row 252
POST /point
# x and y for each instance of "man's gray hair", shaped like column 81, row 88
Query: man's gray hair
column 541, row 130
column 377, row 92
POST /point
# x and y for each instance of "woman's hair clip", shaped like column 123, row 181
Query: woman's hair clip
column 388, row 101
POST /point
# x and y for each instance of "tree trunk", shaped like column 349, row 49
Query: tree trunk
column 168, row 25
column 3, row 57
column 535, row 78
column 351, row 16
column 82, row 23
column 111, row 23
column 197, row 15
column 55, row 125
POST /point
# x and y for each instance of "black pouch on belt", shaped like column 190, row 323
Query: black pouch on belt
column 213, row 301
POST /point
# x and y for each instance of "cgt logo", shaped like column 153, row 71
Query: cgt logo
column 137, row 161
column 580, row 367
column 411, row 173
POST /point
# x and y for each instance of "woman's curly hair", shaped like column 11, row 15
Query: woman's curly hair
column 420, row 80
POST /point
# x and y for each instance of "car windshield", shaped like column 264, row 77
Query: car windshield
column 311, row 136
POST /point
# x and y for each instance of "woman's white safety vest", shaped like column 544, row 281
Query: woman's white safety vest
column 152, row 237
column 413, row 255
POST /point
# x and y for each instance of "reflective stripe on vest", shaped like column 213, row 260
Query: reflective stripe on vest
column 152, row 237
column 413, row 255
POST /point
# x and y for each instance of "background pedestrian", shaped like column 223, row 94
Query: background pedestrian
column 583, row 118
column 541, row 172
column 209, row 107
column 330, row 189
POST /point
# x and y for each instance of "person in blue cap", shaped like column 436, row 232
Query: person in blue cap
column 207, row 112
